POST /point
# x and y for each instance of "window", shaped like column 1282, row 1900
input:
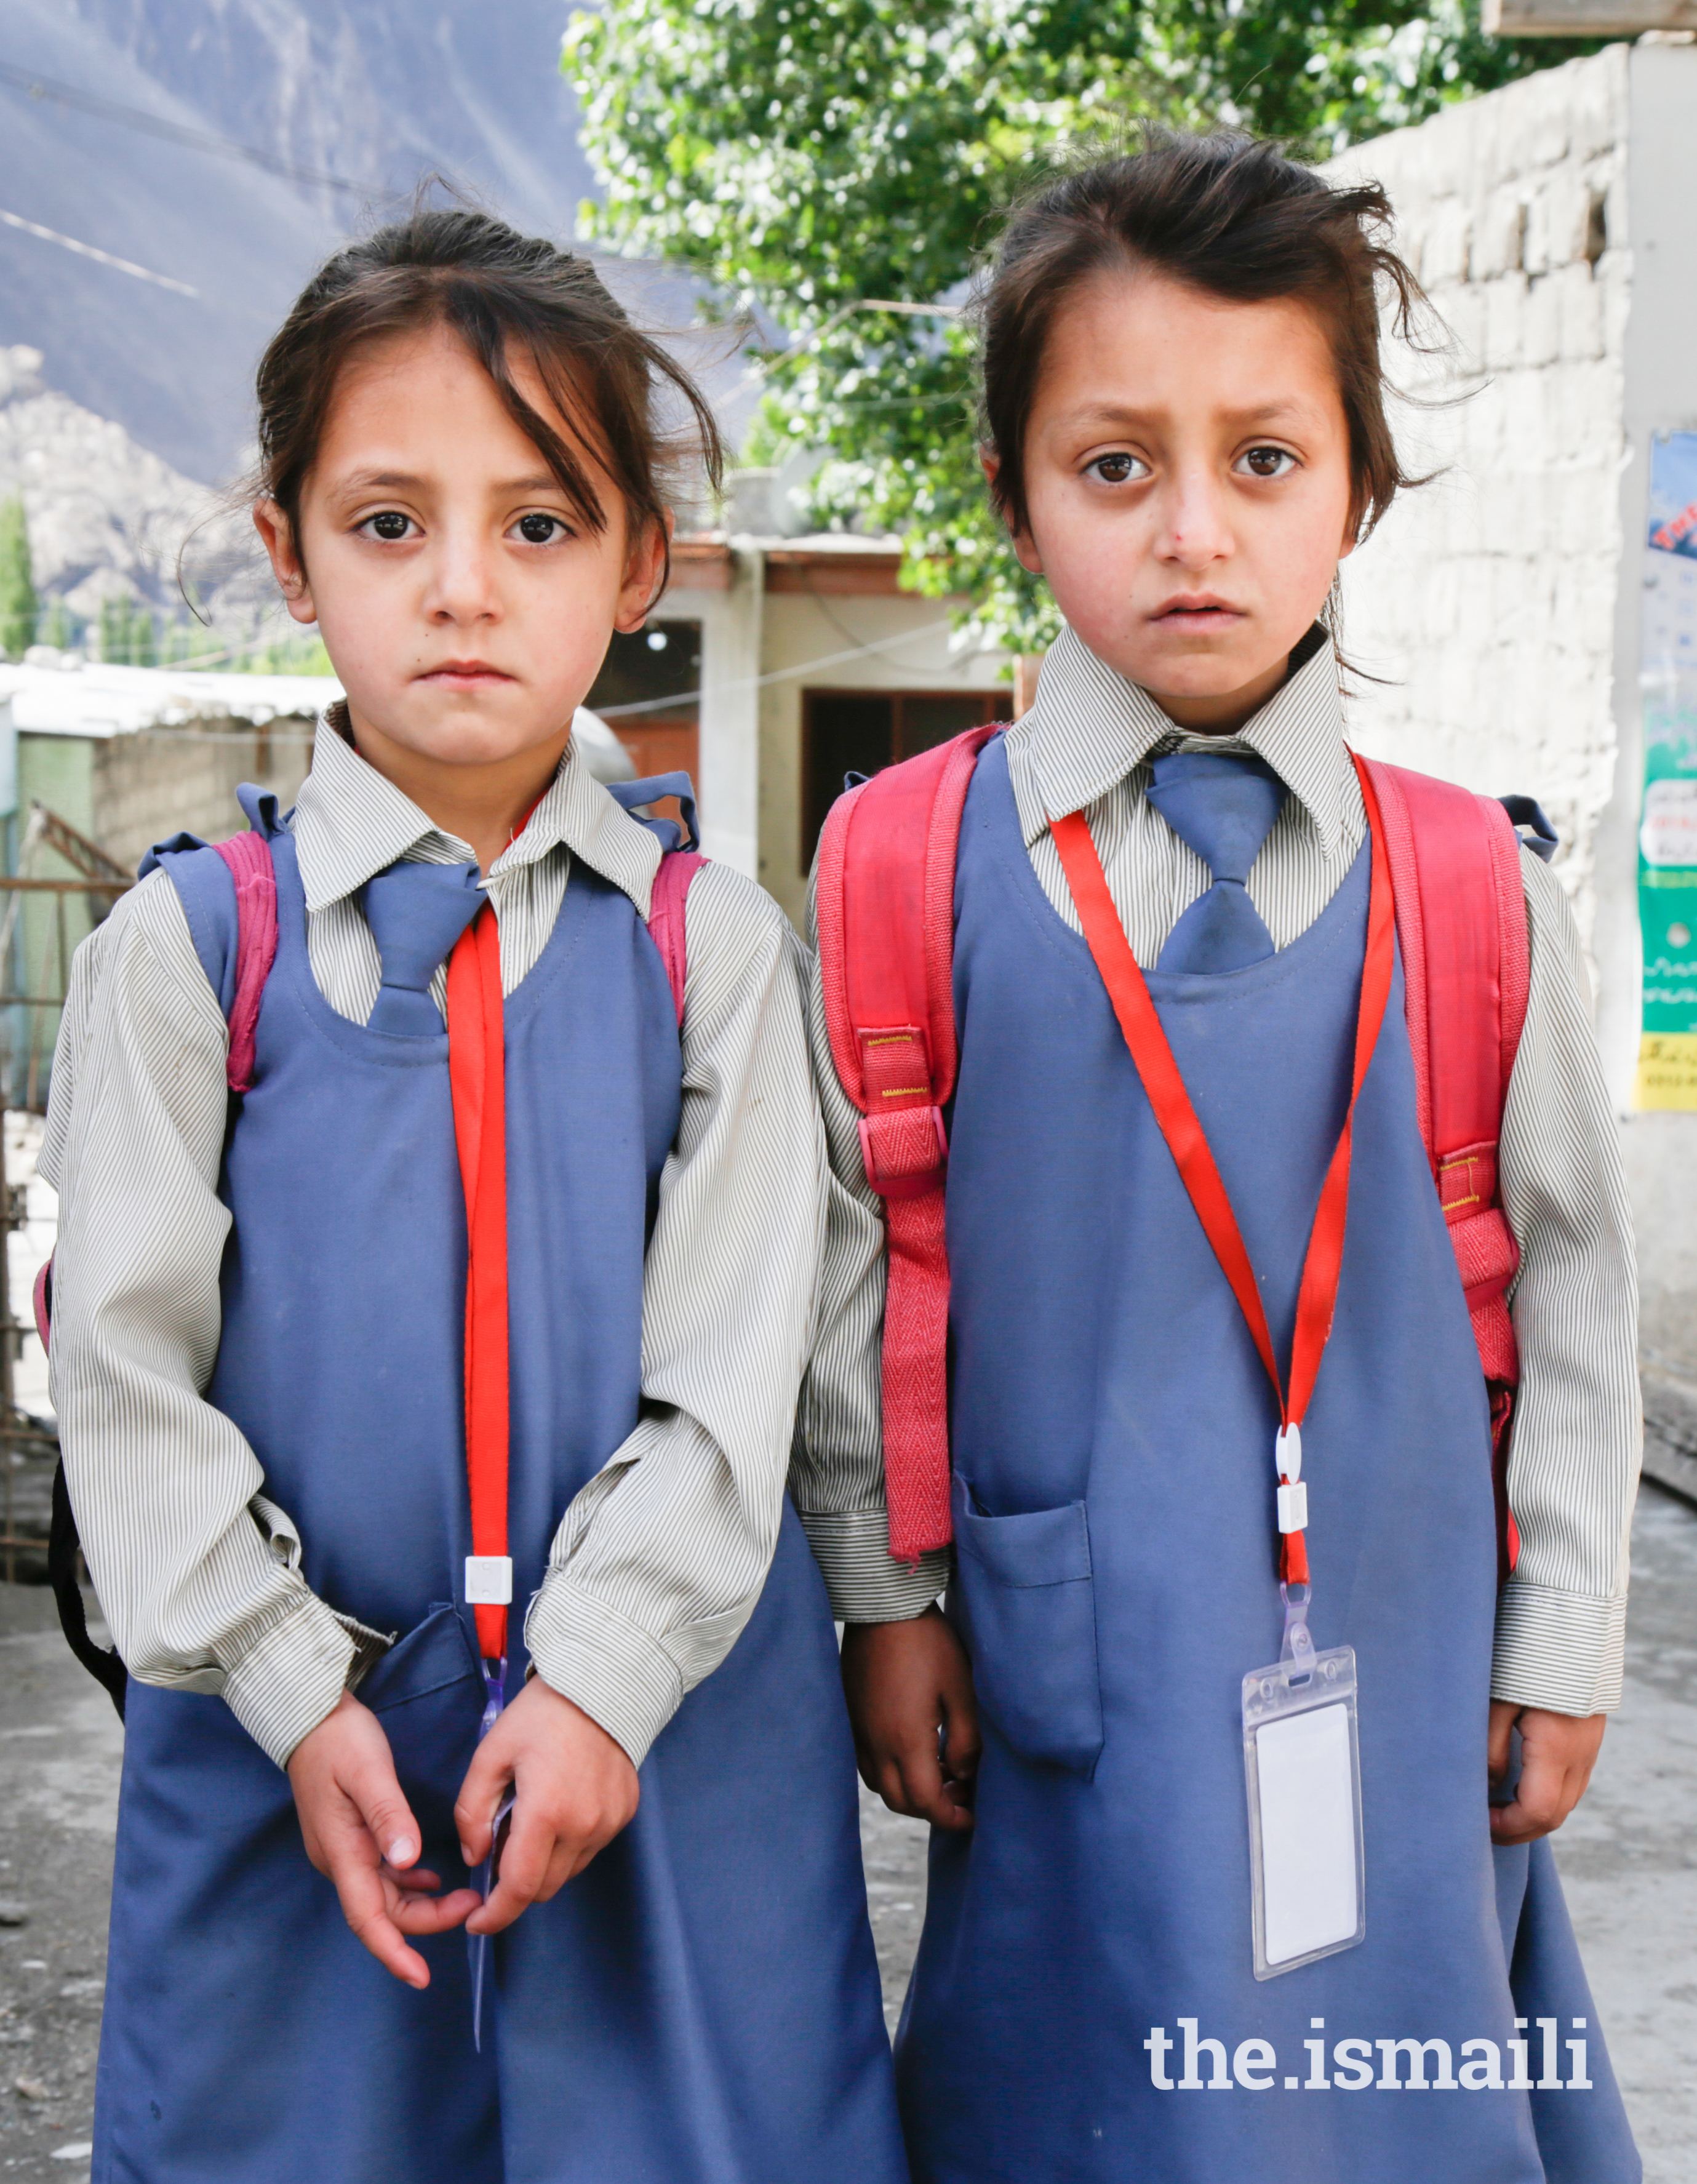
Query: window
column 863, row 731
column 661, row 661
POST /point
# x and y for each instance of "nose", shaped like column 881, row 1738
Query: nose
column 1194, row 529
column 462, row 586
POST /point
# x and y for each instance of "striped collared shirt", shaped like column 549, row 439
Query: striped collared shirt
column 1085, row 746
column 657, row 1563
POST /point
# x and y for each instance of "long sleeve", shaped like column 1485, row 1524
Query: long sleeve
column 657, row 1562
column 837, row 1479
column 195, row 1571
column 1577, row 1435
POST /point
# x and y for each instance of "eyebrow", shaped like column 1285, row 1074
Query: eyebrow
column 1120, row 413
column 409, row 481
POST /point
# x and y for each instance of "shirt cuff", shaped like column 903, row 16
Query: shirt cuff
column 865, row 1582
column 1565, row 1651
column 622, row 1675
column 285, row 1685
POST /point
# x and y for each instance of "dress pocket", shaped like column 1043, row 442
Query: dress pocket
column 427, row 1692
column 1024, row 1594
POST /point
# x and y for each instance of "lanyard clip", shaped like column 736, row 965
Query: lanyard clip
column 1298, row 1643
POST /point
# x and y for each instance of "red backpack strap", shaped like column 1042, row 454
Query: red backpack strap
column 886, row 910
column 1460, row 914
column 249, row 859
column 672, row 883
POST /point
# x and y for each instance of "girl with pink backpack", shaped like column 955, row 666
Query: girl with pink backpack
column 1232, row 1289
column 441, row 1182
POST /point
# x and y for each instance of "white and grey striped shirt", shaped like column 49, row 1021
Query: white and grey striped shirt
column 657, row 1563
column 1085, row 746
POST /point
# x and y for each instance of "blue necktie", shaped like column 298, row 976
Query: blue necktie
column 1223, row 807
column 416, row 912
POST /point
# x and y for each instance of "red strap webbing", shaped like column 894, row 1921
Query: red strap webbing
column 1460, row 914
column 886, row 910
column 476, row 1063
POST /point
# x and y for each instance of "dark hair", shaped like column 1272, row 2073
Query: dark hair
column 457, row 267
column 1233, row 217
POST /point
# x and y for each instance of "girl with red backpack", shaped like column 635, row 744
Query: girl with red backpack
column 1230, row 1110
column 426, row 1406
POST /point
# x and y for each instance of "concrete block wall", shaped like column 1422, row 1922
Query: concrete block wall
column 151, row 785
column 1487, row 599
column 1554, row 225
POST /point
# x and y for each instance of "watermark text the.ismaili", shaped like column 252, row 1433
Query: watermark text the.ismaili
column 1385, row 2065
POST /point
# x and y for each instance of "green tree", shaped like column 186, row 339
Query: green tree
column 19, row 608
column 801, row 158
column 56, row 626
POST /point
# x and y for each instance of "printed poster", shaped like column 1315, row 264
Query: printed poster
column 1667, row 834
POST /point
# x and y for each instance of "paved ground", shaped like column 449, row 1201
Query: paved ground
column 1629, row 1856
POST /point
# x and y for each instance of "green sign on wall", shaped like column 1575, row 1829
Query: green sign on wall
column 1668, row 834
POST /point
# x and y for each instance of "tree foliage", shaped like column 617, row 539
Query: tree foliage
column 19, row 606
column 801, row 158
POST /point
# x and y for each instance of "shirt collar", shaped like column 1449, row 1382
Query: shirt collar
column 1089, row 727
column 350, row 824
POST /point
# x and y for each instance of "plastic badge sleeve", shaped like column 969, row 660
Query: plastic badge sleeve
column 1302, row 1762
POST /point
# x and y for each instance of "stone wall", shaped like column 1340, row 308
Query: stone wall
column 1487, row 598
column 156, row 783
column 1554, row 225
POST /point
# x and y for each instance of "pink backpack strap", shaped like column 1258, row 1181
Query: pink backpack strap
column 249, row 859
column 886, row 910
column 1460, row 914
column 672, row 883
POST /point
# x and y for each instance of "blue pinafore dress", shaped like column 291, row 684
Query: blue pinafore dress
column 701, row 2005
column 1115, row 1581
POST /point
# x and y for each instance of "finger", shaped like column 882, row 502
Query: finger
column 432, row 1914
column 963, row 1745
column 373, row 1789
column 1541, row 1803
column 566, row 1865
column 366, row 1909
column 524, row 1866
column 1497, row 1747
column 415, row 1878
column 928, row 1795
column 485, row 1784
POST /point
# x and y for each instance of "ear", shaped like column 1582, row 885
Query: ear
column 275, row 529
column 644, row 575
column 1023, row 544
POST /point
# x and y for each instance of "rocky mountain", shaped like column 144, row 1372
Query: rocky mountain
column 98, row 102
column 108, row 519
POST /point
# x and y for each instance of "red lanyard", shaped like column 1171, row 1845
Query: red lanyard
column 477, row 1073
column 1318, row 1297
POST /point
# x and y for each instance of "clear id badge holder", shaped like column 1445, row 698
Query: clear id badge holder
column 1303, row 1765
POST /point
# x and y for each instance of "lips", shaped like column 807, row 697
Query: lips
column 464, row 671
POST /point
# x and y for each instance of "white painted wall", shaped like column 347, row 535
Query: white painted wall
column 1555, row 226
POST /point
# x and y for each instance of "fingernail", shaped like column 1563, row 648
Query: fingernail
column 401, row 1851
column 465, row 1854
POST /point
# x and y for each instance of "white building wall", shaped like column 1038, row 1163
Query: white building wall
column 1487, row 598
column 1555, row 226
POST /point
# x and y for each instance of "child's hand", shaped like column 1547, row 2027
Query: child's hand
column 574, row 1788
column 1557, row 1754
column 360, row 1833
column 906, row 1682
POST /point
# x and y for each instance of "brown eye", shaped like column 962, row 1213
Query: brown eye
column 540, row 530
column 390, row 523
column 1118, row 468
column 1268, row 462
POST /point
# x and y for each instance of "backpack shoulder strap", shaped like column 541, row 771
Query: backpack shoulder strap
column 248, row 860
column 239, row 982
column 886, row 912
column 1460, row 915
column 666, row 907
column 681, row 860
